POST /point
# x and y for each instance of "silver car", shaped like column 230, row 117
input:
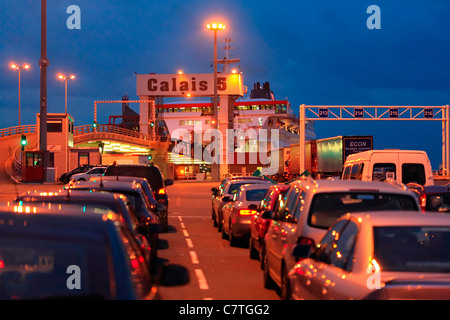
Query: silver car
column 238, row 211
column 228, row 187
column 377, row 255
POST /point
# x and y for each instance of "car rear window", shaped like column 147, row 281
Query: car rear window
column 326, row 208
column 438, row 202
column 255, row 194
column 413, row 249
column 36, row 266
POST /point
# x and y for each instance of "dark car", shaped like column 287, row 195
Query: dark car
column 98, row 202
column 133, row 191
column 432, row 198
column 261, row 220
column 154, row 177
column 65, row 177
column 65, row 253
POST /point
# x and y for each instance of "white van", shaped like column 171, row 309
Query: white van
column 404, row 166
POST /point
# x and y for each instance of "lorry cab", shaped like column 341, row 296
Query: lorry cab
column 403, row 166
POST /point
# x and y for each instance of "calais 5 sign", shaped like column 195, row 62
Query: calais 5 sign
column 178, row 85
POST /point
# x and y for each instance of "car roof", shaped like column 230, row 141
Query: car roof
column 106, row 185
column 56, row 215
column 400, row 218
column 119, row 178
column 331, row 185
column 68, row 194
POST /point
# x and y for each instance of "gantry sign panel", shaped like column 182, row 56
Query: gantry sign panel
column 381, row 113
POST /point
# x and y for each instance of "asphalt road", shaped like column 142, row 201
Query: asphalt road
column 217, row 271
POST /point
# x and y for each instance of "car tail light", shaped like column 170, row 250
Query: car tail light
column 306, row 240
column 162, row 191
column 423, row 201
column 247, row 212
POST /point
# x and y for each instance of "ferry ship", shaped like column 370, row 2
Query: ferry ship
column 261, row 110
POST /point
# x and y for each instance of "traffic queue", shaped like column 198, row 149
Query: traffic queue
column 94, row 239
column 347, row 237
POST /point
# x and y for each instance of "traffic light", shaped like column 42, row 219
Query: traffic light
column 152, row 124
column 23, row 141
column 95, row 124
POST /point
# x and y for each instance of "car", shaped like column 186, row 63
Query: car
column 67, row 253
column 311, row 206
column 228, row 187
column 377, row 255
column 238, row 212
column 154, row 177
column 260, row 221
column 133, row 191
column 96, row 201
column 432, row 198
column 65, row 177
column 93, row 172
column 159, row 208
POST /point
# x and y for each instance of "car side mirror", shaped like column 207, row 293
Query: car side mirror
column 302, row 251
column 168, row 182
column 267, row 214
column 227, row 199
column 253, row 207
column 214, row 191
column 149, row 228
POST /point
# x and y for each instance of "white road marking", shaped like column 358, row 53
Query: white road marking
column 189, row 243
column 186, row 234
column 202, row 283
column 194, row 257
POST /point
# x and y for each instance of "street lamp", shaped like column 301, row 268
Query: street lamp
column 16, row 67
column 64, row 77
column 215, row 27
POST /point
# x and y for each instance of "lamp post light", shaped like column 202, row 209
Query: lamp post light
column 16, row 67
column 64, row 77
column 215, row 27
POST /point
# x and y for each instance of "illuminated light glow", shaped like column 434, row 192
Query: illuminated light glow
column 247, row 212
column 162, row 191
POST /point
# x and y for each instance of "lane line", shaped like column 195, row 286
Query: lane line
column 194, row 257
column 186, row 234
column 189, row 243
column 202, row 283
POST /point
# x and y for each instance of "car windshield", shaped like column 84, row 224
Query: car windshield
column 255, row 194
column 326, row 208
column 413, row 249
column 438, row 202
column 36, row 266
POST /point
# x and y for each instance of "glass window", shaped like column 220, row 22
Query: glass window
column 413, row 172
column 54, row 126
column 381, row 171
column 355, row 169
column 346, row 174
column 326, row 208
column 325, row 247
column 255, row 194
column 438, row 202
column 414, row 249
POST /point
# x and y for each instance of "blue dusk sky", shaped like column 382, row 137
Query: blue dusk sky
column 312, row 52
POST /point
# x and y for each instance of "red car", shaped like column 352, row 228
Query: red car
column 261, row 220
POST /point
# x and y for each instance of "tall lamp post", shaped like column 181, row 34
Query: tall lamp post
column 16, row 67
column 64, row 77
column 215, row 27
